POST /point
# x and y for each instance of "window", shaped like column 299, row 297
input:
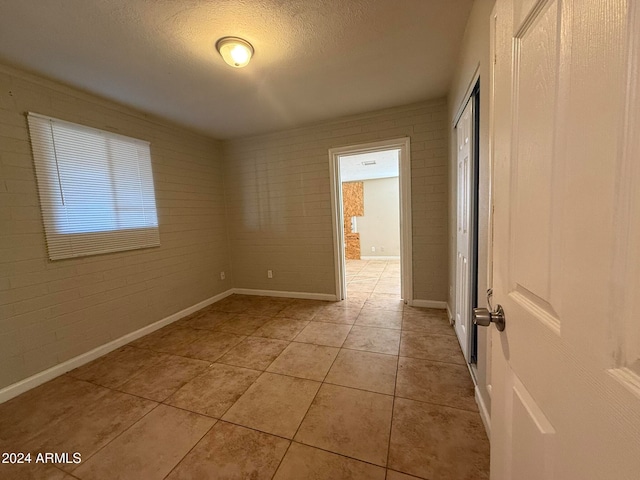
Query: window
column 96, row 189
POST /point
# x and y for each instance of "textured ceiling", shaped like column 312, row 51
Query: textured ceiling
column 314, row 59
column 361, row 167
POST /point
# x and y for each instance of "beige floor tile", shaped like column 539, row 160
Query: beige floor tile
column 300, row 311
column 122, row 435
column 25, row 416
column 274, row 404
column 384, row 301
column 364, row 275
column 421, row 312
column 304, row 360
column 387, row 288
column 379, row 340
column 304, row 462
column 320, row 333
column 172, row 339
column 243, row 324
column 91, row 427
column 442, row 348
column 232, row 304
column 149, row 449
column 281, row 328
column 213, row 392
column 353, row 300
column 208, row 320
column 117, row 367
column 211, row 345
column 365, row 370
column 435, row 382
column 433, row 441
column 428, row 325
column 164, row 378
column 367, row 286
column 336, row 314
column 254, row 352
column 32, row 471
column 393, row 475
column 231, row 452
column 378, row 317
column 350, row 422
column 266, row 308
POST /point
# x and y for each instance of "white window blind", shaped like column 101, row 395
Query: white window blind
column 96, row 189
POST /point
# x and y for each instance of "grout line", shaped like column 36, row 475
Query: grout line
column 393, row 404
column 275, row 472
column 339, row 454
column 438, row 404
column 273, row 316
column 358, row 388
column 119, row 434
column 191, row 449
column 65, row 472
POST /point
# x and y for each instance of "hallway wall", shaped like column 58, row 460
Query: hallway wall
column 278, row 195
column 474, row 57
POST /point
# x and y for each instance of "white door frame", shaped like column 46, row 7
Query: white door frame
column 406, row 237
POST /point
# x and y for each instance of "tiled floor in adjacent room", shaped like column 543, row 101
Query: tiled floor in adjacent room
column 262, row 388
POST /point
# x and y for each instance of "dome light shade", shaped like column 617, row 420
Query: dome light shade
column 235, row 51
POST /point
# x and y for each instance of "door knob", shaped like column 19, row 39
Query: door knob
column 484, row 318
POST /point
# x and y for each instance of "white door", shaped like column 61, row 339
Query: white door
column 463, row 254
column 565, row 376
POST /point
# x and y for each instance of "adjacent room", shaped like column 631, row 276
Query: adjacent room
column 318, row 239
column 371, row 219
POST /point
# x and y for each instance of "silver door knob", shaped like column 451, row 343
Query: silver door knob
column 484, row 318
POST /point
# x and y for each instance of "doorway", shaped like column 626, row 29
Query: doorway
column 371, row 213
column 367, row 256
column 467, row 136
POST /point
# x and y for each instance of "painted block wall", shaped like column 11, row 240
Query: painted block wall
column 53, row 311
column 278, row 197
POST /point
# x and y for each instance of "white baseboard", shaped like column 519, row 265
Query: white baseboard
column 429, row 304
column 33, row 381
column 484, row 412
column 449, row 314
column 380, row 257
column 277, row 293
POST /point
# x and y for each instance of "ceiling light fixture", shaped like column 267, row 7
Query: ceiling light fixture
column 235, row 51
column 369, row 162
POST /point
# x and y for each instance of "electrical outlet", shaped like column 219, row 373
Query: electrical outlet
column 373, row 249
column 222, row 276
column 269, row 273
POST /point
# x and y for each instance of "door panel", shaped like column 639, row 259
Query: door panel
column 559, row 408
column 533, row 440
column 535, row 87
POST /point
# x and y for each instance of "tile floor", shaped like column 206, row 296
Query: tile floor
column 265, row 388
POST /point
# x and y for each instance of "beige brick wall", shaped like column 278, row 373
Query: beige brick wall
column 278, row 197
column 53, row 311
column 278, row 210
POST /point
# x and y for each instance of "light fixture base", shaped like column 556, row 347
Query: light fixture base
column 235, row 51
